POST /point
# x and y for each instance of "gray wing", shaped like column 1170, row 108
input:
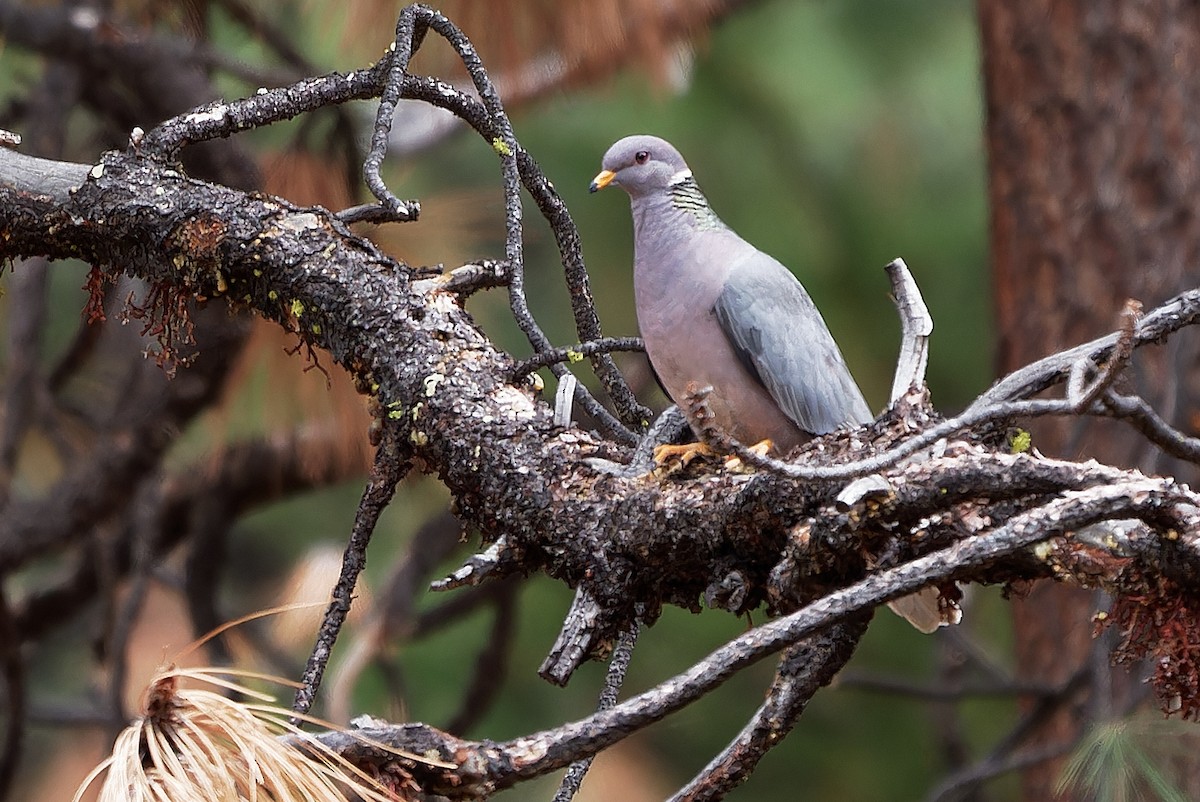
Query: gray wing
column 783, row 342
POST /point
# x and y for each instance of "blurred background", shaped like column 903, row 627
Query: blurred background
column 833, row 135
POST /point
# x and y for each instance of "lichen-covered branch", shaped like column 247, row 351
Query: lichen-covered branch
column 484, row 766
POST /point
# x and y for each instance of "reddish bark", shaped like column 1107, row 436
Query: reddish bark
column 1092, row 144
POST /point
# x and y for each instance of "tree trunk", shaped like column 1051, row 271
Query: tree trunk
column 1093, row 144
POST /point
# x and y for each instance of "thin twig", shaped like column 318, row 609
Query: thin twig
column 587, row 321
column 575, row 637
column 1138, row 413
column 408, row 39
column 889, row 458
column 489, row 119
column 1167, row 318
column 467, row 279
column 1080, row 393
column 566, row 235
column 391, row 465
column 573, row 353
column 803, row 670
column 614, row 678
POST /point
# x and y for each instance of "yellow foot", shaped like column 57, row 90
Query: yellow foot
column 670, row 458
column 762, row 449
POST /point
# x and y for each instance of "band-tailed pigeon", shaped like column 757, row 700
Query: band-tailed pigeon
column 716, row 311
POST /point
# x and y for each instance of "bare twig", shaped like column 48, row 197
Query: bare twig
column 573, row 353
column 1138, row 413
column 614, row 678
column 1171, row 316
column 566, row 236
column 497, row 560
column 391, row 465
column 575, row 638
column 803, row 670
column 464, row 280
column 492, row 123
column 857, row 468
column 1080, row 393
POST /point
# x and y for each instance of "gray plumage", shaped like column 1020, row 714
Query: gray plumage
column 715, row 310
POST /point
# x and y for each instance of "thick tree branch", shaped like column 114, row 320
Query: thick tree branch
column 53, row 179
column 491, row 765
column 438, row 377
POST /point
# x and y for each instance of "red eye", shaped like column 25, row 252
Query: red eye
column 642, row 156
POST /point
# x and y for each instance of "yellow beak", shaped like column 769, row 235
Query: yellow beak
column 602, row 180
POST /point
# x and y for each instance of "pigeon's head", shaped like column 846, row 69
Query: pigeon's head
column 641, row 165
